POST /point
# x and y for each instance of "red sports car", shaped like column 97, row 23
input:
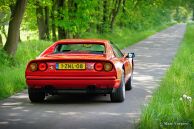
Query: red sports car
column 80, row 66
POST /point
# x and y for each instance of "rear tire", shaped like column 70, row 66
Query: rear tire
column 36, row 96
column 128, row 85
column 119, row 94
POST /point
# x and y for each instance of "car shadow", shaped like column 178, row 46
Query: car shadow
column 77, row 99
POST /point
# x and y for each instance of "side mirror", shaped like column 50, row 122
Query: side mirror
column 130, row 55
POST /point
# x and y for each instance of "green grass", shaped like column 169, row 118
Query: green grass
column 12, row 70
column 168, row 106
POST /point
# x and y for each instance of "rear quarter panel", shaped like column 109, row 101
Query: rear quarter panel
column 118, row 67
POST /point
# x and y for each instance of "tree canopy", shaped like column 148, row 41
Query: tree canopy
column 60, row 19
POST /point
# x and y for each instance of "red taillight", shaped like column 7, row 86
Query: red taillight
column 33, row 67
column 42, row 66
column 98, row 66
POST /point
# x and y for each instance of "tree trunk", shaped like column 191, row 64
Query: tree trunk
column 115, row 13
column 105, row 17
column 193, row 14
column 20, row 40
column 14, row 27
column 40, row 21
column 121, row 23
column 177, row 14
column 72, row 10
column 54, row 36
column 62, row 33
column 99, row 17
column 47, row 23
column 1, row 41
column 124, row 4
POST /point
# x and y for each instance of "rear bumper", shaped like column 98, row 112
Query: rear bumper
column 69, row 84
column 90, row 90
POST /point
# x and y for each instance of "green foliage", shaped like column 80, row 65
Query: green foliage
column 125, row 37
column 4, row 14
column 141, row 15
column 6, row 60
column 30, row 49
column 29, row 19
column 180, row 14
column 13, row 69
column 77, row 17
column 4, row 17
column 171, row 102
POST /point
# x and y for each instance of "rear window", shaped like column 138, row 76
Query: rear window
column 80, row 48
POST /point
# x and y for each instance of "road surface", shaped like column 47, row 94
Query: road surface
column 153, row 57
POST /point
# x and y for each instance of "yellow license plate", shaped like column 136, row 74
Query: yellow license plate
column 70, row 66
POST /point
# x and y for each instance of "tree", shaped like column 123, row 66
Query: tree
column 1, row 41
column 115, row 11
column 191, row 6
column 62, row 33
column 54, row 36
column 42, row 14
column 105, row 24
column 4, row 20
column 14, row 26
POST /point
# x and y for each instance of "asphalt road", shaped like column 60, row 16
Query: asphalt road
column 153, row 57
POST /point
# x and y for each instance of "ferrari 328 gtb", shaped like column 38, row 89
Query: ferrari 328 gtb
column 80, row 66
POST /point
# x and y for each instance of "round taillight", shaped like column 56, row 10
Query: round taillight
column 33, row 67
column 42, row 66
column 108, row 67
column 98, row 66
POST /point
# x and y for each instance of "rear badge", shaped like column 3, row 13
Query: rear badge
column 51, row 67
column 90, row 66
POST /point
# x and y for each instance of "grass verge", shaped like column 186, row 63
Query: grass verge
column 12, row 70
column 171, row 106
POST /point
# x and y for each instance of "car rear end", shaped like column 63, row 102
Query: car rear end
column 72, row 67
column 72, row 76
